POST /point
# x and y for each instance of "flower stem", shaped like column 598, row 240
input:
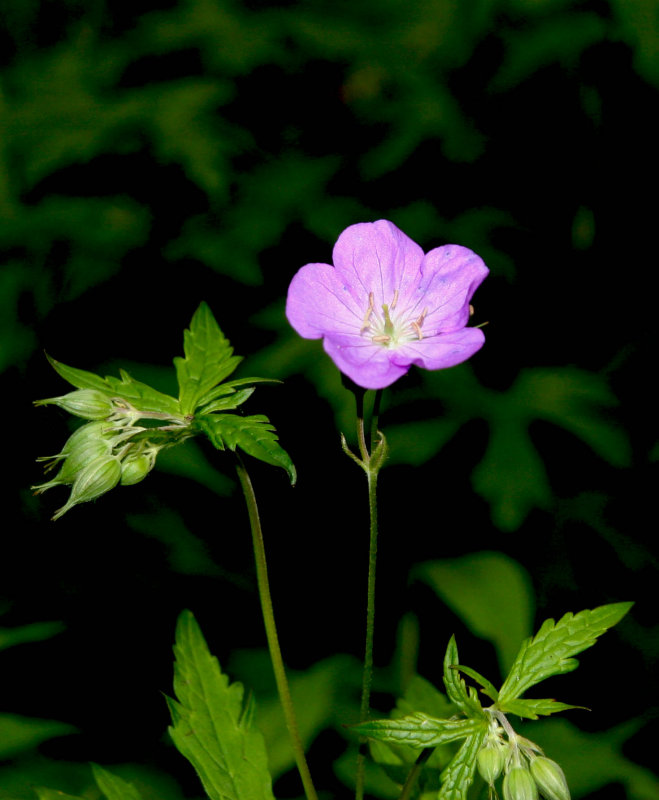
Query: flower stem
column 372, row 467
column 271, row 630
column 414, row 773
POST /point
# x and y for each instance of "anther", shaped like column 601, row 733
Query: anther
column 369, row 311
column 417, row 329
column 471, row 310
column 381, row 339
column 395, row 300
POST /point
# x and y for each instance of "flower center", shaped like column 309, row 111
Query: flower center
column 390, row 329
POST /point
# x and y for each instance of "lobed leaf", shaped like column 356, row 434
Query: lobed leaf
column 114, row 787
column 455, row 685
column 212, row 727
column 549, row 651
column 139, row 394
column 532, row 709
column 459, row 774
column 208, row 360
column 419, row 730
column 255, row 435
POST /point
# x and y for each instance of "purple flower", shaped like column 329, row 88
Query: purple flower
column 384, row 305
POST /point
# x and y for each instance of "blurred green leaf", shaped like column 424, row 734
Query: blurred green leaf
column 490, row 592
column 44, row 793
column 114, row 787
column 18, row 734
column 35, row 632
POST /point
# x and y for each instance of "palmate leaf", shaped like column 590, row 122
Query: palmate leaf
column 455, row 686
column 550, row 651
column 114, row 787
column 139, row 394
column 419, row 730
column 255, row 435
column 212, row 727
column 208, row 360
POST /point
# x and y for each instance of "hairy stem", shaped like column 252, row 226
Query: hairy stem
column 271, row 631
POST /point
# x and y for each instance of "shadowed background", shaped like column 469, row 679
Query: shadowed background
column 156, row 154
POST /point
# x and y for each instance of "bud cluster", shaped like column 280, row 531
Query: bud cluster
column 527, row 773
column 109, row 450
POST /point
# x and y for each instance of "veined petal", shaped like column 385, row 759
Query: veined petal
column 451, row 275
column 441, row 351
column 378, row 257
column 319, row 303
column 366, row 364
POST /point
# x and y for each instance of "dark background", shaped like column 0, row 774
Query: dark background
column 153, row 155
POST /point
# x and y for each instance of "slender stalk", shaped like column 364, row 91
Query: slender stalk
column 271, row 630
column 414, row 773
column 371, row 467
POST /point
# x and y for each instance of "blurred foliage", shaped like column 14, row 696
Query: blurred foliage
column 162, row 152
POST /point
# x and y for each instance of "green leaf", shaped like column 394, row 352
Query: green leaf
column 255, row 435
column 211, row 726
column 208, row 360
column 18, row 733
column 490, row 592
column 532, row 709
column 419, row 730
column 44, row 793
column 455, row 685
column 35, row 632
column 139, row 394
column 114, row 787
column 228, row 402
column 459, row 774
column 488, row 688
column 549, row 651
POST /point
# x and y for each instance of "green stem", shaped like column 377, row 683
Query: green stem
column 414, row 773
column 271, row 630
column 371, row 470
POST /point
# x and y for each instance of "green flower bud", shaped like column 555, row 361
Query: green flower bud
column 550, row 779
column 518, row 784
column 490, row 763
column 136, row 469
column 86, row 403
column 95, row 479
column 86, row 451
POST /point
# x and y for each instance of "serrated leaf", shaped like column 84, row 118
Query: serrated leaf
column 419, row 730
column 459, row 774
column 114, row 787
column 139, row 394
column 549, row 651
column 532, row 709
column 455, row 685
column 208, row 360
column 210, row 726
column 255, row 435
column 228, row 402
column 487, row 687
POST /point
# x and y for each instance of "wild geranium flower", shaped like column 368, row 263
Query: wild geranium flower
column 384, row 305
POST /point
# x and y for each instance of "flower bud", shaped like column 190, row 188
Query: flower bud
column 550, row 779
column 92, row 481
column 136, row 469
column 86, row 403
column 490, row 763
column 518, row 784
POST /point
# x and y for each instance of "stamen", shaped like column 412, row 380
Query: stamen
column 471, row 310
column 366, row 323
column 381, row 339
column 395, row 300
column 417, row 329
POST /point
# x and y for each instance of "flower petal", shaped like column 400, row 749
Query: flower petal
column 368, row 365
column 441, row 351
column 319, row 303
column 451, row 275
column 378, row 257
